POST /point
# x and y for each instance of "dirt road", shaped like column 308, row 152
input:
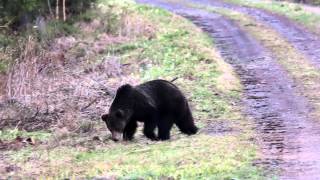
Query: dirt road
column 305, row 41
column 289, row 138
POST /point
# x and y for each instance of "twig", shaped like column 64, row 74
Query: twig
column 92, row 102
column 140, row 151
column 18, row 125
column 35, row 114
column 174, row 79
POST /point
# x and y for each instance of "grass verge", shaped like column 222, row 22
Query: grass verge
column 293, row 11
column 178, row 49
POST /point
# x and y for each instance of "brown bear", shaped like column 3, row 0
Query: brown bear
column 158, row 104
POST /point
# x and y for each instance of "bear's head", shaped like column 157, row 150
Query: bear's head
column 120, row 112
column 116, row 122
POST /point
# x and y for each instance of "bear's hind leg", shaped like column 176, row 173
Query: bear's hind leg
column 164, row 128
column 186, row 123
column 130, row 130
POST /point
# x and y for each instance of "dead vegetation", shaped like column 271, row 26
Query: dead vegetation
column 70, row 82
column 55, row 89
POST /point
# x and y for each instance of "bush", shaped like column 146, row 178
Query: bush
column 17, row 13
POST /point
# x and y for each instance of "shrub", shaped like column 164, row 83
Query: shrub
column 17, row 13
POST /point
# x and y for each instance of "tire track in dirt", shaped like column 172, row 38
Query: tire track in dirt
column 305, row 41
column 289, row 139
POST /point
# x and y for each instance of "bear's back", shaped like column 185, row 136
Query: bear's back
column 164, row 93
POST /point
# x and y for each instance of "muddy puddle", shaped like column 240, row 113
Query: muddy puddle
column 288, row 138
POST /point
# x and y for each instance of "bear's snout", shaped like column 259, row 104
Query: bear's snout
column 116, row 136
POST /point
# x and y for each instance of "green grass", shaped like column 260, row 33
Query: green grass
column 200, row 157
column 179, row 159
column 59, row 28
column 3, row 66
column 5, row 41
column 181, row 50
column 293, row 11
column 178, row 49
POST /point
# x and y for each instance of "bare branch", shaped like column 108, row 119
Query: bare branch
column 92, row 102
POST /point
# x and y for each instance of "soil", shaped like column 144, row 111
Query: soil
column 288, row 138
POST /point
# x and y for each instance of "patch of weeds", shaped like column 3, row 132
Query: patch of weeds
column 3, row 66
column 11, row 134
column 59, row 28
column 22, row 155
column 5, row 40
column 124, row 48
column 113, row 14
column 87, row 16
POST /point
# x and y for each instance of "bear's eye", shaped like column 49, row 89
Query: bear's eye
column 119, row 114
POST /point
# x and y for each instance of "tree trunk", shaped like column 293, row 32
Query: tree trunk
column 64, row 10
column 57, row 9
column 50, row 9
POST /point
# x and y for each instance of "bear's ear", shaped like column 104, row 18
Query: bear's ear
column 105, row 117
column 124, row 89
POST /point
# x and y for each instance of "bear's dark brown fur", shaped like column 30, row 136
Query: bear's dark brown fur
column 156, row 103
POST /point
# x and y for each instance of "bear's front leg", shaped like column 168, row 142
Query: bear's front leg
column 148, row 130
column 130, row 130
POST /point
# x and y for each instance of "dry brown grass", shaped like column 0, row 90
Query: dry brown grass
column 68, row 91
column 70, row 82
column 2, row 84
column 135, row 26
column 121, row 23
